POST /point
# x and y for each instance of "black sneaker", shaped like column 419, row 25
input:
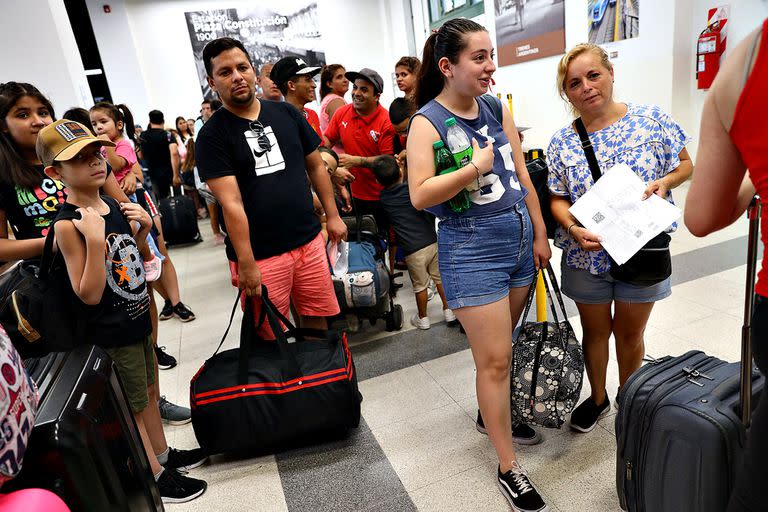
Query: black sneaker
column 183, row 312
column 184, row 460
column 519, row 491
column 164, row 361
column 585, row 416
column 177, row 488
column 521, row 434
column 167, row 311
column 524, row 434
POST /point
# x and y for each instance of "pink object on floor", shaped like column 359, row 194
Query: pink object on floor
column 32, row 500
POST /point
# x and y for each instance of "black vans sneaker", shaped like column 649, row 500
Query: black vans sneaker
column 184, row 460
column 585, row 416
column 519, row 491
column 167, row 311
column 521, row 434
column 183, row 312
column 177, row 488
column 165, row 361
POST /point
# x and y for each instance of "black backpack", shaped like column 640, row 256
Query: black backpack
column 43, row 314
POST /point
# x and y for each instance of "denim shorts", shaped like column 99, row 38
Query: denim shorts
column 481, row 258
column 587, row 288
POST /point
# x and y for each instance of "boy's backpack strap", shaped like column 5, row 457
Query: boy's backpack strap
column 495, row 105
column 46, row 261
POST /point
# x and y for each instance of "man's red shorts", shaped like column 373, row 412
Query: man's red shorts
column 302, row 277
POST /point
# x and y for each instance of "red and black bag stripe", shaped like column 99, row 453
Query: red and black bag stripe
column 275, row 388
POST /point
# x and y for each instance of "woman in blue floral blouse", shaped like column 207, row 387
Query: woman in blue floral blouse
column 652, row 144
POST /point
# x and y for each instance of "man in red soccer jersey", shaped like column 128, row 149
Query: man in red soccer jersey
column 364, row 129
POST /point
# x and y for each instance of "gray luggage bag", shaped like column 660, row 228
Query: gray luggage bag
column 681, row 425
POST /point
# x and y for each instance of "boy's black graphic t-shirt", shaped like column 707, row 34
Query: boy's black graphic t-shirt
column 122, row 316
column 270, row 170
column 31, row 211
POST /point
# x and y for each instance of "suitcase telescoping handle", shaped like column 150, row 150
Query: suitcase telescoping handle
column 745, row 392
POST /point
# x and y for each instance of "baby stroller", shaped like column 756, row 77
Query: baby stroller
column 365, row 290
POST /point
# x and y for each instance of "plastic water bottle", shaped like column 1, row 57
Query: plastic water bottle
column 460, row 148
column 458, row 143
column 444, row 163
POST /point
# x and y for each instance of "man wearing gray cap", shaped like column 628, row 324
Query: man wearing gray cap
column 364, row 129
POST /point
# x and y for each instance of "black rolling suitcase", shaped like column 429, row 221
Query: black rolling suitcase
column 179, row 219
column 682, row 421
column 85, row 446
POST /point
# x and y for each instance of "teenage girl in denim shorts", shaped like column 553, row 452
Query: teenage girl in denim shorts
column 488, row 254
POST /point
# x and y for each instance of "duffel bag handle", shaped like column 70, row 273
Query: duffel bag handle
column 249, row 338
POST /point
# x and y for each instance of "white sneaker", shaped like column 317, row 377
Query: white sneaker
column 449, row 316
column 420, row 323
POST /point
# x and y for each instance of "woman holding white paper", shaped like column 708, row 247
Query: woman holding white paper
column 652, row 144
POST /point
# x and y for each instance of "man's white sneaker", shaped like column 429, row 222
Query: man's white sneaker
column 449, row 316
column 420, row 323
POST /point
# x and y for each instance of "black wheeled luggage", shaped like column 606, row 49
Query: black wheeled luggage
column 85, row 446
column 179, row 219
column 681, row 426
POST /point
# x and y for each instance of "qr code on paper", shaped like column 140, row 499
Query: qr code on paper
column 598, row 218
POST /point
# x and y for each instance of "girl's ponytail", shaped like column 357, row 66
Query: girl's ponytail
column 429, row 81
column 127, row 118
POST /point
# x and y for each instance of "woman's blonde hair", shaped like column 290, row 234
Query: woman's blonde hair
column 562, row 67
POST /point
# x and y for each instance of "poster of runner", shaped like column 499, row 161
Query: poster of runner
column 613, row 20
column 529, row 29
column 268, row 32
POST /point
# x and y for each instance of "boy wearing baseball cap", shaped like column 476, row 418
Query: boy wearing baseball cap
column 294, row 79
column 101, row 253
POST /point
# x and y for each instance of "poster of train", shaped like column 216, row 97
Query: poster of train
column 613, row 20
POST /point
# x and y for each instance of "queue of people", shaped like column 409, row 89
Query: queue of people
column 276, row 177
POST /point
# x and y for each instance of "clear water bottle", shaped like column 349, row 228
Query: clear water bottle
column 444, row 163
column 458, row 143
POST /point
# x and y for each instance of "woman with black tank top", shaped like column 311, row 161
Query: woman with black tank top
column 734, row 138
column 489, row 254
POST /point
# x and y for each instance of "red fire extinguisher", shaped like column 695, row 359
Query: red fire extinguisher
column 708, row 51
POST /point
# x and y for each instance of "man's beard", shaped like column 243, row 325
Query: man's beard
column 243, row 100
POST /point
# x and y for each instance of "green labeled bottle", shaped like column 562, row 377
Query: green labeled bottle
column 444, row 163
column 458, row 143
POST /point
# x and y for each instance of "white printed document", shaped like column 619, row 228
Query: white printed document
column 614, row 209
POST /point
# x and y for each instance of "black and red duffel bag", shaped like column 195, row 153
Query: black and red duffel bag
column 265, row 396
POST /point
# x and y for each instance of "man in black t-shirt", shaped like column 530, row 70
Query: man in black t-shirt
column 161, row 154
column 256, row 156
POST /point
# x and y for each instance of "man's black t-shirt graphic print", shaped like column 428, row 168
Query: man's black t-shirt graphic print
column 266, row 150
column 267, row 157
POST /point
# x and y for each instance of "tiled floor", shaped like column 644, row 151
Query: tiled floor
column 417, row 447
